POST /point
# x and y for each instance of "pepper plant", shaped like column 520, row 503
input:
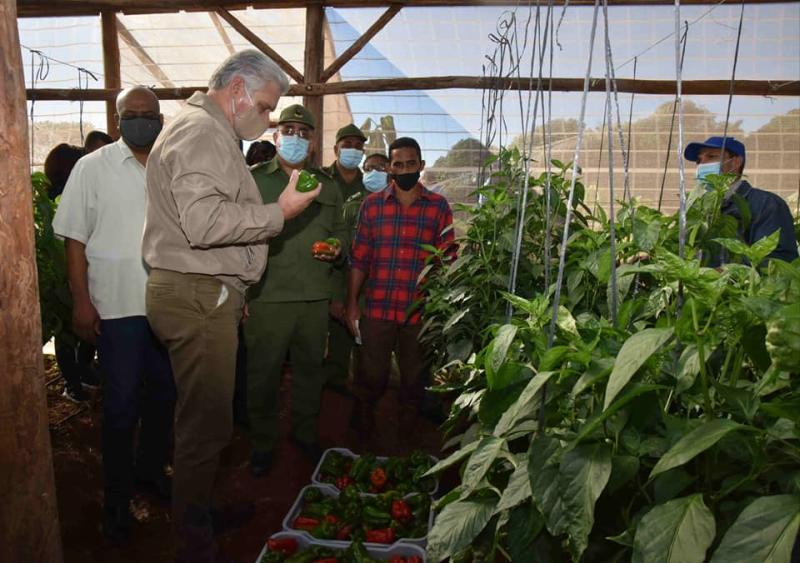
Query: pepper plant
column 667, row 434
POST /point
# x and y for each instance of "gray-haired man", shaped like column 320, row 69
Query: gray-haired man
column 205, row 241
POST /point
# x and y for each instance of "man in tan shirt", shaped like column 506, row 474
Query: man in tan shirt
column 205, row 238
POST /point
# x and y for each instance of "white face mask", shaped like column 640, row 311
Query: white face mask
column 248, row 125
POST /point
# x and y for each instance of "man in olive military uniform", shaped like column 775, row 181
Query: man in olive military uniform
column 349, row 151
column 288, row 307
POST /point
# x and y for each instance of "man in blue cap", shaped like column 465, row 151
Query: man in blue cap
column 768, row 211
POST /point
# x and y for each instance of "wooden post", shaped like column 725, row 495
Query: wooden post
column 314, row 61
column 111, row 68
column 28, row 514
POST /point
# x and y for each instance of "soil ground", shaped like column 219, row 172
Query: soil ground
column 77, row 459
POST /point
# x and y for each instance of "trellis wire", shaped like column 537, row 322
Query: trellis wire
column 679, row 105
column 684, row 40
column 730, row 92
column 568, row 217
column 38, row 72
column 612, row 226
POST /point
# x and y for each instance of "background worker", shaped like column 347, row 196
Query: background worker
column 349, row 151
column 288, row 307
column 768, row 211
column 387, row 257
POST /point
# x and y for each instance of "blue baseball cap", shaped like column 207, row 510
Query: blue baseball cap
column 733, row 146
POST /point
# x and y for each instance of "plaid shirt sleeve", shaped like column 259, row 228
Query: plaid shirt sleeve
column 361, row 250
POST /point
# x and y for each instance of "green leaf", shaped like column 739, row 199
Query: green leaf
column 594, row 423
column 566, row 321
column 457, row 525
column 523, row 406
column 764, row 532
column 518, row 489
column 688, row 368
column 480, row 461
column 598, row 369
column 498, row 349
column 764, row 247
column 672, row 483
column 694, row 443
column 634, row 352
column 451, row 322
column 452, row 459
column 678, row 531
column 734, row 245
column 524, row 525
column 583, row 474
column 623, row 469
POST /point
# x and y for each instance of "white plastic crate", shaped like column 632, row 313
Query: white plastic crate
column 315, row 477
column 380, row 553
column 327, row 491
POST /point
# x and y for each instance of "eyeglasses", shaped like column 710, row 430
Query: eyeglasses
column 290, row 131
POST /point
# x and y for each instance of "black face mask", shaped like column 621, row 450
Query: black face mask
column 141, row 132
column 406, row 181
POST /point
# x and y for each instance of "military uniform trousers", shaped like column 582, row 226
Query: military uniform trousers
column 271, row 330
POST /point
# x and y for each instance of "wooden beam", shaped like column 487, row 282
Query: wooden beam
column 28, row 511
column 314, row 59
column 222, row 33
column 771, row 88
column 359, row 43
column 41, row 8
column 245, row 32
column 111, row 67
column 140, row 53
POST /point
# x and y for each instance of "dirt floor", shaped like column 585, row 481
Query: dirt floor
column 75, row 434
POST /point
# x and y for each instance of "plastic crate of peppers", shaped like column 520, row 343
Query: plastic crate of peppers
column 287, row 547
column 381, row 519
column 341, row 468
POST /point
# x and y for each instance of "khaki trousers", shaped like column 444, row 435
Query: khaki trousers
column 197, row 323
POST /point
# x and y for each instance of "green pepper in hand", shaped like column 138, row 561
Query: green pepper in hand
column 306, row 182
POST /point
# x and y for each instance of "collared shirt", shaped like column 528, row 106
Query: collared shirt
column 103, row 207
column 388, row 248
column 293, row 274
column 204, row 212
column 348, row 188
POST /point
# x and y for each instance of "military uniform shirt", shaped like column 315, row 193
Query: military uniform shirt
column 293, row 274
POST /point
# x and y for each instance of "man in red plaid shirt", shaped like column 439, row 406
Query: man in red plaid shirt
column 386, row 259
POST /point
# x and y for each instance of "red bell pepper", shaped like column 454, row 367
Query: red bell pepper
column 305, row 523
column 378, row 478
column 343, row 482
column 344, row 533
column 326, row 560
column 332, row 519
column 286, row 546
column 383, row 535
column 413, row 559
column 401, row 511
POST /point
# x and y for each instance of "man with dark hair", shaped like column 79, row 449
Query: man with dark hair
column 73, row 356
column 288, row 307
column 258, row 152
column 387, row 257
column 96, row 139
column 349, row 151
column 101, row 216
column 768, row 211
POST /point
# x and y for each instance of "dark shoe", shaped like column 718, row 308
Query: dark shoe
column 311, row 451
column 339, row 386
column 231, row 516
column 76, row 395
column 260, row 463
column 116, row 524
column 158, row 484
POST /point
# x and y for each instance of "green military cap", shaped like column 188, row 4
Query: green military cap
column 350, row 131
column 298, row 114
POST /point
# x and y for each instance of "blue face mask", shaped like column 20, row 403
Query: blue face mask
column 375, row 180
column 350, row 158
column 707, row 168
column 292, row 149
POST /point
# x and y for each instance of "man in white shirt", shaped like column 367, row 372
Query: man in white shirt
column 101, row 217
